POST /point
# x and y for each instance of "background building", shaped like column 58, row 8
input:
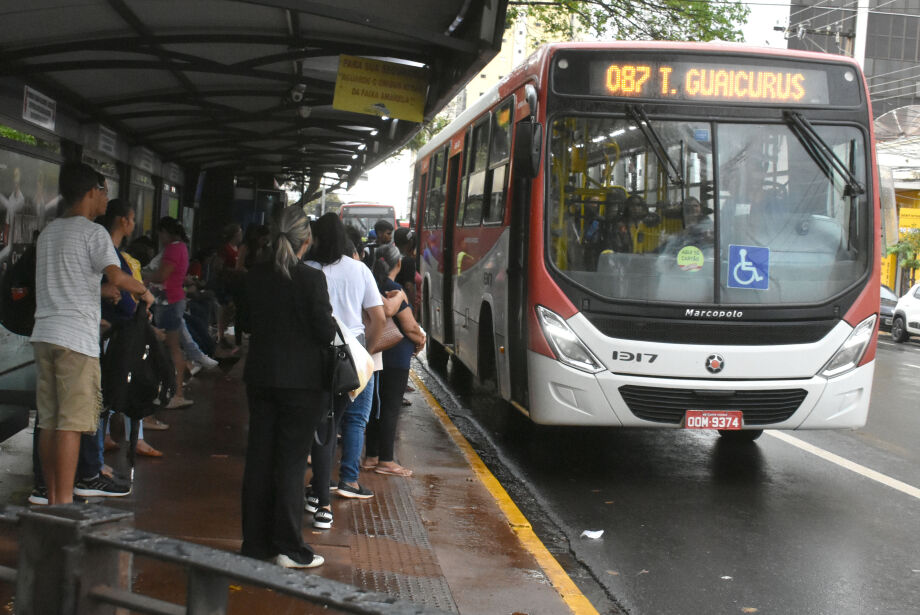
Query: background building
column 884, row 36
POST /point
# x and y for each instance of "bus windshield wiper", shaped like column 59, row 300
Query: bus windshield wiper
column 640, row 119
column 823, row 154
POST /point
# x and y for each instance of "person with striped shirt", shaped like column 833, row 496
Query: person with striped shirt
column 73, row 252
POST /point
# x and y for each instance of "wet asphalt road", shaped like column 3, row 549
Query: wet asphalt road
column 695, row 526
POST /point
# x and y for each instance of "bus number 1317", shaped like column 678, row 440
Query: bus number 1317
column 638, row 357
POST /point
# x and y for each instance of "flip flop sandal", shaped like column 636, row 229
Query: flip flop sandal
column 368, row 466
column 393, row 471
column 149, row 452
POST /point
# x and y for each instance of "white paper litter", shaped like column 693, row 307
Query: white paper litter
column 592, row 534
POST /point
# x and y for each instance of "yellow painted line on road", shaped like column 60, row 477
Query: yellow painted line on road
column 561, row 581
column 846, row 463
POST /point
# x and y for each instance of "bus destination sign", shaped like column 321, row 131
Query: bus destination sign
column 710, row 81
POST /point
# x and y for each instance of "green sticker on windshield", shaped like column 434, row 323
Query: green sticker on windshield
column 690, row 258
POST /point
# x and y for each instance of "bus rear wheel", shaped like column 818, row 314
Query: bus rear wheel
column 744, row 435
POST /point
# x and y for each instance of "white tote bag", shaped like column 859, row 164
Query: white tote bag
column 364, row 364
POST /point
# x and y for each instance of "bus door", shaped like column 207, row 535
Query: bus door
column 450, row 213
column 527, row 148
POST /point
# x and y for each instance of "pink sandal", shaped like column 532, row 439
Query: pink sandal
column 393, row 470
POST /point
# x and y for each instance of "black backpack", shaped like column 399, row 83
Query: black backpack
column 136, row 368
column 17, row 287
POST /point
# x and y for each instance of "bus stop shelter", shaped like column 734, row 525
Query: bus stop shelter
column 247, row 84
column 160, row 94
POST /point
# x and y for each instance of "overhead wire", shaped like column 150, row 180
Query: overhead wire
column 914, row 67
column 876, row 10
column 836, row 8
column 808, row 8
column 875, row 100
column 894, row 89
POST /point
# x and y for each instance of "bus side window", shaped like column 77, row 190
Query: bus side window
column 476, row 186
column 435, row 200
column 414, row 202
column 421, row 190
column 464, row 179
column 499, row 155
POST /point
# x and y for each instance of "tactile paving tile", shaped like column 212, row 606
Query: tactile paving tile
column 391, row 551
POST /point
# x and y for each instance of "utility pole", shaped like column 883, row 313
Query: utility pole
column 862, row 24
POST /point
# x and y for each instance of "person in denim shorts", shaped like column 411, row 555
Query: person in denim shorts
column 171, row 274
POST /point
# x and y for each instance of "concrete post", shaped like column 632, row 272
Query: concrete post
column 54, row 573
column 207, row 593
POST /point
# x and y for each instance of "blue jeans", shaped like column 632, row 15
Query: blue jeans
column 353, row 425
column 190, row 348
column 89, row 463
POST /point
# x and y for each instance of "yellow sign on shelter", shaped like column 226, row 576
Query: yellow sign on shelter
column 909, row 218
column 384, row 89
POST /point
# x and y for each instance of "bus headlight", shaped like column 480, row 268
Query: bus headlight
column 568, row 348
column 852, row 350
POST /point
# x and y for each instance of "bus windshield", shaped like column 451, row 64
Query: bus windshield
column 363, row 218
column 754, row 216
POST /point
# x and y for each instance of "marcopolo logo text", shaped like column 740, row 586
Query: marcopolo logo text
column 692, row 313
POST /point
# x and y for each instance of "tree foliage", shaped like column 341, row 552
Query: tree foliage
column 428, row 130
column 313, row 208
column 675, row 20
column 908, row 250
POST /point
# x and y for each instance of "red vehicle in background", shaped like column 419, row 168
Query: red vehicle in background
column 362, row 216
column 659, row 235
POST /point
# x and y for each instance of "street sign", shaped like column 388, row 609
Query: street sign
column 384, row 89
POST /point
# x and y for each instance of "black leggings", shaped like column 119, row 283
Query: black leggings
column 323, row 450
column 381, row 431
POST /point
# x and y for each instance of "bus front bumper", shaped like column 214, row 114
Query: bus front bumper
column 560, row 395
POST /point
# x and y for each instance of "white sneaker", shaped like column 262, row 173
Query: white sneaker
column 288, row 562
column 194, row 368
column 208, row 362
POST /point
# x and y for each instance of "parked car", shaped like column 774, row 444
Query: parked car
column 906, row 320
column 889, row 300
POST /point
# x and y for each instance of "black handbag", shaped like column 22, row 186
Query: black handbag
column 344, row 374
column 344, row 379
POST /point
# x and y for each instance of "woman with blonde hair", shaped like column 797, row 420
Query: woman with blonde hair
column 287, row 313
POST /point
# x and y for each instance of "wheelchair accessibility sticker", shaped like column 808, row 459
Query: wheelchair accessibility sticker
column 748, row 267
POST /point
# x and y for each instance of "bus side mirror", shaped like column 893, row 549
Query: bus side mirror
column 528, row 146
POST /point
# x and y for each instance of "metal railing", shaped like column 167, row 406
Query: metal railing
column 78, row 560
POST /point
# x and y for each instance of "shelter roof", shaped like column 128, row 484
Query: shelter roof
column 244, row 83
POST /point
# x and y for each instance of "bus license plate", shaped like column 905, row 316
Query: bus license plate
column 713, row 419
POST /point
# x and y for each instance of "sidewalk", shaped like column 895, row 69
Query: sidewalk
column 439, row 538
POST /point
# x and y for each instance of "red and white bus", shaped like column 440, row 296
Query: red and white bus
column 659, row 234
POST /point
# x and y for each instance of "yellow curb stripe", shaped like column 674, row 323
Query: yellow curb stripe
column 562, row 583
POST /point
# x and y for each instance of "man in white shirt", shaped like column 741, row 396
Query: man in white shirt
column 72, row 254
